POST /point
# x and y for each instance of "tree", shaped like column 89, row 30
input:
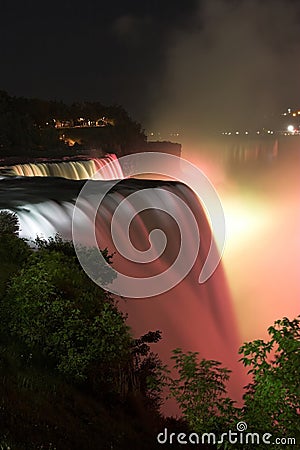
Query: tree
column 142, row 374
column 200, row 391
column 14, row 251
column 9, row 223
column 272, row 399
column 54, row 306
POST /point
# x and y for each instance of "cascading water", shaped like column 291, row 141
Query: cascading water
column 251, row 151
column 74, row 170
column 193, row 316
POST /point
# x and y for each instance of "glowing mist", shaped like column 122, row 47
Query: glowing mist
column 259, row 188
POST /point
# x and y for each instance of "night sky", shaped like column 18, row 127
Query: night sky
column 173, row 64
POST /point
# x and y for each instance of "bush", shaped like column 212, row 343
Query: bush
column 272, row 398
column 9, row 223
column 200, row 391
column 52, row 304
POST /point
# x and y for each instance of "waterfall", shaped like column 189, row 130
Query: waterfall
column 245, row 151
column 193, row 316
column 74, row 170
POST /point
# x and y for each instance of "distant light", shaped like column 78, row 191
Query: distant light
column 284, row 114
column 246, row 132
column 289, row 110
column 294, row 114
column 257, row 132
column 237, row 132
column 291, row 128
column 229, row 132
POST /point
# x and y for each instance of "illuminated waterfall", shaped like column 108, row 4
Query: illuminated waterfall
column 261, row 255
column 74, row 170
column 196, row 317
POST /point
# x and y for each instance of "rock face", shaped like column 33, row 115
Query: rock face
column 164, row 146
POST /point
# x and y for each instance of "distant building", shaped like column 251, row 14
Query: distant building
column 84, row 122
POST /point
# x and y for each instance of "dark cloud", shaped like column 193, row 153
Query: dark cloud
column 238, row 63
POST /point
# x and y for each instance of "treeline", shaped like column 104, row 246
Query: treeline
column 27, row 127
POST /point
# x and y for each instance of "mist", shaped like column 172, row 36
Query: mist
column 260, row 199
column 236, row 67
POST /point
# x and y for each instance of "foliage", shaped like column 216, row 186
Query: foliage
column 145, row 369
column 41, row 410
column 71, row 374
column 89, row 256
column 9, row 223
column 272, row 399
column 53, row 305
column 13, row 250
column 200, row 390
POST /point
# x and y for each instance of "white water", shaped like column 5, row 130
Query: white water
column 73, row 170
